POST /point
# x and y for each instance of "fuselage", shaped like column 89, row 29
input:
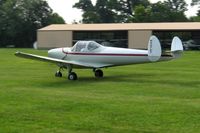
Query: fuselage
column 105, row 55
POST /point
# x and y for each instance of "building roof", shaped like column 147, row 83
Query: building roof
column 123, row 26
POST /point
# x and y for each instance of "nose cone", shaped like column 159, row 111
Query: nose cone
column 55, row 53
column 52, row 52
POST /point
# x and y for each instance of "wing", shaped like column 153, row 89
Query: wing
column 59, row 61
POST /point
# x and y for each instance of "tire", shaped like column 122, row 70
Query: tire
column 72, row 76
column 98, row 73
column 58, row 74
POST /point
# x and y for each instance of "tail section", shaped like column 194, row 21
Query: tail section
column 154, row 49
column 155, row 52
column 176, row 47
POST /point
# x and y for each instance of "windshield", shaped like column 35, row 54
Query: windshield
column 79, row 46
column 92, row 46
column 85, row 46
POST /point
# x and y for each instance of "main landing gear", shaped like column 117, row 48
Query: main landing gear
column 98, row 73
column 73, row 76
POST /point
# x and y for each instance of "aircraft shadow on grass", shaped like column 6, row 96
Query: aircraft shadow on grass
column 141, row 78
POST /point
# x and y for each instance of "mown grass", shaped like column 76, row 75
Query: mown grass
column 160, row 97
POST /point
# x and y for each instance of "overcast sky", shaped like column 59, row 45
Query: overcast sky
column 64, row 9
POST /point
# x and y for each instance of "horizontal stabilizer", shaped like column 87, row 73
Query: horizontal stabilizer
column 154, row 49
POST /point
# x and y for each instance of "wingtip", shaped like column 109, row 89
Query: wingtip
column 18, row 52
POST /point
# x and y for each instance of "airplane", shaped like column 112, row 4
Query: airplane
column 90, row 54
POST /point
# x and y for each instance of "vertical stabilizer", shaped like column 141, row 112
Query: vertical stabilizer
column 154, row 49
column 176, row 47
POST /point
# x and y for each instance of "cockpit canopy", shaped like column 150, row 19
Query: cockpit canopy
column 86, row 46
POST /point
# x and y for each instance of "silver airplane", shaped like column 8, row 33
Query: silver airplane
column 90, row 54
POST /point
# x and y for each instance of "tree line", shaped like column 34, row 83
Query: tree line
column 127, row 11
column 20, row 19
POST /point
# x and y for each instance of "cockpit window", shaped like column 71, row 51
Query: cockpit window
column 92, row 46
column 85, row 46
column 79, row 46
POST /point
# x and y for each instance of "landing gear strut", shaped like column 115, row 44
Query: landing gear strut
column 71, row 75
column 58, row 73
column 98, row 73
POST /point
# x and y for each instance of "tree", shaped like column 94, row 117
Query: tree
column 111, row 11
column 141, row 14
column 157, row 12
column 128, row 6
column 89, row 13
column 91, row 17
column 197, row 17
column 84, row 5
column 8, row 17
column 160, row 12
column 20, row 20
column 176, row 5
column 108, row 11
column 106, row 15
column 99, row 13
column 195, row 2
column 55, row 19
column 177, row 9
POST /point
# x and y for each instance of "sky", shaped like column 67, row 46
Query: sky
column 64, row 9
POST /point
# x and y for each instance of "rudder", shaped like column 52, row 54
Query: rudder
column 176, row 47
column 154, row 49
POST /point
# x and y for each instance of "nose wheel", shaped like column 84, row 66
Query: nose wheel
column 98, row 73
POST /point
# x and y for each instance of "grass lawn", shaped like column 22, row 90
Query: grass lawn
column 160, row 97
